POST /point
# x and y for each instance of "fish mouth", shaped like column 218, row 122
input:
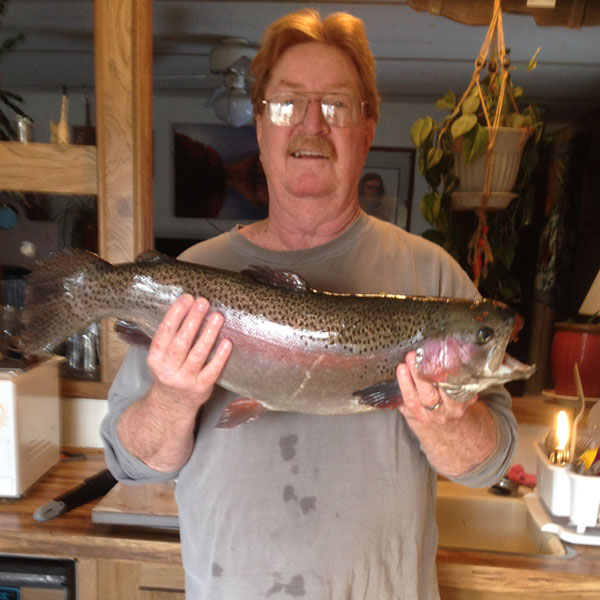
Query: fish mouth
column 510, row 369
column 497, row 358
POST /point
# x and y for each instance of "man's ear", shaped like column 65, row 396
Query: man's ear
column 370, row 134
column 258, row 123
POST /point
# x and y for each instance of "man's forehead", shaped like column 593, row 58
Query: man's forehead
column 337, row 86
column 304, row 67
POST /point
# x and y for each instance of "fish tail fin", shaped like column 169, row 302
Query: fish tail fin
column 50, row 312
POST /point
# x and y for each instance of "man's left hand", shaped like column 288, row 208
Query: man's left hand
column 455, row 436
column 424, row 402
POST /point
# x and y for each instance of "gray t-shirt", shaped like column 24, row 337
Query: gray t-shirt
column 307, row 506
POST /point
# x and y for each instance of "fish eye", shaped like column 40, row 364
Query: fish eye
column 484, row 335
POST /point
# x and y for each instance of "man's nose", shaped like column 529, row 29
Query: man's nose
column 314, row 121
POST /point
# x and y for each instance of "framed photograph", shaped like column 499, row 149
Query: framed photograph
column 217, row 173
column 386, row 186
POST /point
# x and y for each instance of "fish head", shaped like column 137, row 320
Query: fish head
column 467, row 351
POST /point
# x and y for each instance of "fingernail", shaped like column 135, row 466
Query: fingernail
column 216, row 318
column 202, row 303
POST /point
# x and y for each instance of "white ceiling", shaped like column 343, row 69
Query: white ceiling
column 419, row 56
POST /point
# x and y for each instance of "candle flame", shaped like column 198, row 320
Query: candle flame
column 562, row 429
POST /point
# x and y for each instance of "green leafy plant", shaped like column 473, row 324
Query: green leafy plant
column 493, row 102
column 8, row 100
column 466, row 129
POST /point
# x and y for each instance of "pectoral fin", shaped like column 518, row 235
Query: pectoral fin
column 385, row 394
column 240, row 411
column 132, row 333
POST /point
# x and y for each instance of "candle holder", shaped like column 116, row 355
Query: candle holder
column 567, row 494
column 559, row 457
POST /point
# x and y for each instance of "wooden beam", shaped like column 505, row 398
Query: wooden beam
column 123, row 72
column 48, row 168
column 567, row 13
column 123, row 79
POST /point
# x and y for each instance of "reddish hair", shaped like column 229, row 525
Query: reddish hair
column 341, row 30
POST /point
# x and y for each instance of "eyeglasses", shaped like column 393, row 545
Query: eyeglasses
column 289, row 108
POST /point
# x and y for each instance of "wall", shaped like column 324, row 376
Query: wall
column 393, row 131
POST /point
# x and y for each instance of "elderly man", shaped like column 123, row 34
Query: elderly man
column 326, row 508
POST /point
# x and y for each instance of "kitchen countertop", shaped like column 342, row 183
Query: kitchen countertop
column 537, row 409
column 74, row 534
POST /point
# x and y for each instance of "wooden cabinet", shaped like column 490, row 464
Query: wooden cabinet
column 125, row 580
column 119, row 168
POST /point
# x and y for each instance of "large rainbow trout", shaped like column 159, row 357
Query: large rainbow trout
column 294, row 348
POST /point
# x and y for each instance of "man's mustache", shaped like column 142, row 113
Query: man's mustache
column 311, row 143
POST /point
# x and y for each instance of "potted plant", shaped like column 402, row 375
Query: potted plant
column 481, row 156
column 453, row 152
column 578, row 342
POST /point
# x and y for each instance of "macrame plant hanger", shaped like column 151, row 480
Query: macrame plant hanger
column 480, row 252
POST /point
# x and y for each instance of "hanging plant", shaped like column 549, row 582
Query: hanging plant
column 480, row 156
column 8, row 100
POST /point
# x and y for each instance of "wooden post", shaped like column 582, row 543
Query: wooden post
column 123, row 79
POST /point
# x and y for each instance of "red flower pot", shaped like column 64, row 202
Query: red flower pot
column 576, row 343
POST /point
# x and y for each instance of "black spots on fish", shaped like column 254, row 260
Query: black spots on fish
column 287, row 446
column 378, row 367
column 294, row 588
column 217, row 570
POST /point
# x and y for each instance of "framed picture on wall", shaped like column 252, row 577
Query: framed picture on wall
column 217, row 173
column 386, row 185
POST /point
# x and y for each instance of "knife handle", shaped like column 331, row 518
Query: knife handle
column 93, row 487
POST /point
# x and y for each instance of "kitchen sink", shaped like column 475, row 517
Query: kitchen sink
column 475, row 519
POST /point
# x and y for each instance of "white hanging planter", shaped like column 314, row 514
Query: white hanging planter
column 507, row 152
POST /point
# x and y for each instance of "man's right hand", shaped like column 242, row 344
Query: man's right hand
column 178, row 356
column 159, row 427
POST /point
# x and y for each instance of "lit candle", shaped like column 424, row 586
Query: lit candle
column 561, row 454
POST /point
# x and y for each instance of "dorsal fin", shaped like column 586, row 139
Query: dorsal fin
column 282, row 279
column 152, row 256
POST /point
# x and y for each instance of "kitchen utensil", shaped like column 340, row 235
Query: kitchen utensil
column 583, row 443
column 593, row 423
column 578, row 414
column 505, row 487
column 550, row 441
column 594, row 469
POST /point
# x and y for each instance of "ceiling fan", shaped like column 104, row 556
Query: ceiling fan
column 229, row 59
column 231, row 101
